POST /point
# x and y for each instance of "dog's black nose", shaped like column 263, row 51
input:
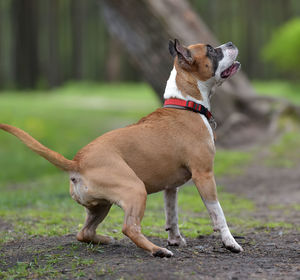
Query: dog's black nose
column 230, row 45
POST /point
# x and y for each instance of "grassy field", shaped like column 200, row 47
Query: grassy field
column 35, row 200
column 281, row 89
column 280, row 156
column 34, row 194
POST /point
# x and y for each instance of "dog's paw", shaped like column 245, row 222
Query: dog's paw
column 231, row 245
column 177, row 241
column 162, row 253
column 103, row 240
column 111, row 240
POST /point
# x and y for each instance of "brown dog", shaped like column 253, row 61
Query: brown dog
column 160, row 152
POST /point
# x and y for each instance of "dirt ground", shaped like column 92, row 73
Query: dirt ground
column 273, row 254
column 266, row 256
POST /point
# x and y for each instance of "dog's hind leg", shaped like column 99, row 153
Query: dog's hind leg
column 126, row 190
column 206, row 186
column 171, row 211
column 94, row 216
column 134, row 207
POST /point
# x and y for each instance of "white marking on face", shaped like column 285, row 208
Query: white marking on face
column 219, row 222
column 229, row 56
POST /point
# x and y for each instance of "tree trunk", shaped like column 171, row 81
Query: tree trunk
column 53, row 65
column 144, row 27
column 25, row 42
column 113, row 61
column 77, row 13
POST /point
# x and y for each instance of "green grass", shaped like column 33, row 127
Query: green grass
column 28, row 270
column 34, row 194
column 44, row 266
column 230, row 162
column 279, row 88
column 45, row 208
column 65, row 122
column 285, row 151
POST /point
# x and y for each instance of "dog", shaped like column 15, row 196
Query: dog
column 162, row 151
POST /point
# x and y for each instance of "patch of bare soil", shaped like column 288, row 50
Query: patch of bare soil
column 266, row 185
column 275, row 191
column 4, row 226
column 266, row 256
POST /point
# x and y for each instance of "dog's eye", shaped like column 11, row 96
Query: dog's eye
column 210, row 49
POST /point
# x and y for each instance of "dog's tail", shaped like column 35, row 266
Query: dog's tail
column 54, row 157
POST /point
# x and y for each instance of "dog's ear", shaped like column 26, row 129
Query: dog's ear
column 172, row 48
column 185, row 58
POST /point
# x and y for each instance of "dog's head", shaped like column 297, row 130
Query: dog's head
column 206, row 62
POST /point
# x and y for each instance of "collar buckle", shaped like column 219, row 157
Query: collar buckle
column 213, row 123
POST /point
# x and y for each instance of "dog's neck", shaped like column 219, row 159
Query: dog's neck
column 205, row 90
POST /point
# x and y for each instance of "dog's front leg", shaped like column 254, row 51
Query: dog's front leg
column 171, row 211
column 206, row 186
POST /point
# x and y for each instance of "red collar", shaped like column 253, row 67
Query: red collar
column 188, row 105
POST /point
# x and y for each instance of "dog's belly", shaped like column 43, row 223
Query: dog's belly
column 159, row 181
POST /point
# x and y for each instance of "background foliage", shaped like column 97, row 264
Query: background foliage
column 46, row 43
column 283, row 48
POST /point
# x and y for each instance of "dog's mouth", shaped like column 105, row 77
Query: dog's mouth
column 231, row 70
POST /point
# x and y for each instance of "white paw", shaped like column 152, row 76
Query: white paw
column 231, row 244
column 177, row 241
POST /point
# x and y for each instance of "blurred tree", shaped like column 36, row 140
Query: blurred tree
column 53, row 62
column 51, row 42
column 283, row 48
column 25, row 56
column 145, row 30
column 145, row 36
column 77, row 17
column 114, row 60
column 235, row 19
